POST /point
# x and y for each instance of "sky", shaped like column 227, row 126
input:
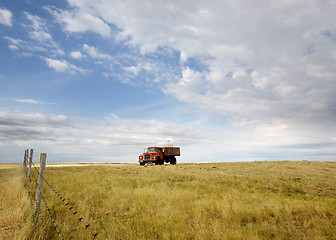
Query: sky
column 227, row 80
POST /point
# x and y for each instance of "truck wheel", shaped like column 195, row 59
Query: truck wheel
column 142, row 163
column 159, row 161
column 173, row 161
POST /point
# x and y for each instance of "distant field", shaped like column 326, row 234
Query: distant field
column 81, row 164
column 250, row 200
column 67, row 164
column 9, row 165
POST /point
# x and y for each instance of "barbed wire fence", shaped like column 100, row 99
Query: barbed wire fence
column 48, row 223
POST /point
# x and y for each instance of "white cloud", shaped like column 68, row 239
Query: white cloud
column 81, row 21
column 6, row 17
column 256, row 67
column 40, row 31
column 25, row 48
column 63, row 66
column 93, row 52
column 122, row 139
column 267, row 66
column 13, row 47
column 142, row 66
column 36, row 41
column 13, row 40
column 76, row 55
column 27, row 101
column 255, row 57
column 58, row 65
column 273, row 59
column 31, row 101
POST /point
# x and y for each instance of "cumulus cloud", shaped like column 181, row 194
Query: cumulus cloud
column 265, row 67
column 23, row 47
column 121, row 138
column 78, row 21
column 58, row 65
column 255, row 55
column 95, row 53
column 63, row 66
column 39, row 30
column 76, row 55
column 6, row 17
column 113, row 138
column 261, row 64
column 38, row 41
column 273, row 59
column 142, row 66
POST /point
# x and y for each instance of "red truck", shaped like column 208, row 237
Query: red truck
column 159, row 155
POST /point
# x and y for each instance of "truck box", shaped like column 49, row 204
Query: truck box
column 171, row 151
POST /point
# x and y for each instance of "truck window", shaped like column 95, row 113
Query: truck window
column 154, row 150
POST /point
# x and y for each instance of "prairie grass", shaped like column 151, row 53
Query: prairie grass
column 9, row 165
column 251, row 200
column 15, row 211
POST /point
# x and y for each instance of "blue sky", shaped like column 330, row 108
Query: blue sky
column 224, row 80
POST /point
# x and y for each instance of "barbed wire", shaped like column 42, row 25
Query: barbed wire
column 48, row 210
column 39, row 214
column 70, row 208
column 44, row 230
column 52, row 217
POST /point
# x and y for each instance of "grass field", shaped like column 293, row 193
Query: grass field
column 251, row 200
column 14, row 203
column 9, row 165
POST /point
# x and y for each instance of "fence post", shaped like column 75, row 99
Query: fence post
column 43, row 157
column 29, row 166
column 25, row 160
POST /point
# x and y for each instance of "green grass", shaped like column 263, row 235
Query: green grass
column 253, row 200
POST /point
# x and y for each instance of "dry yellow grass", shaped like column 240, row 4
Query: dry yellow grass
column 254, row 200
column 9, row 165
column 14, row 204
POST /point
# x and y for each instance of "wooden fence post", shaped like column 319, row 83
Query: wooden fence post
column 29, row 166
column 43, row 157
column 25, row 160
